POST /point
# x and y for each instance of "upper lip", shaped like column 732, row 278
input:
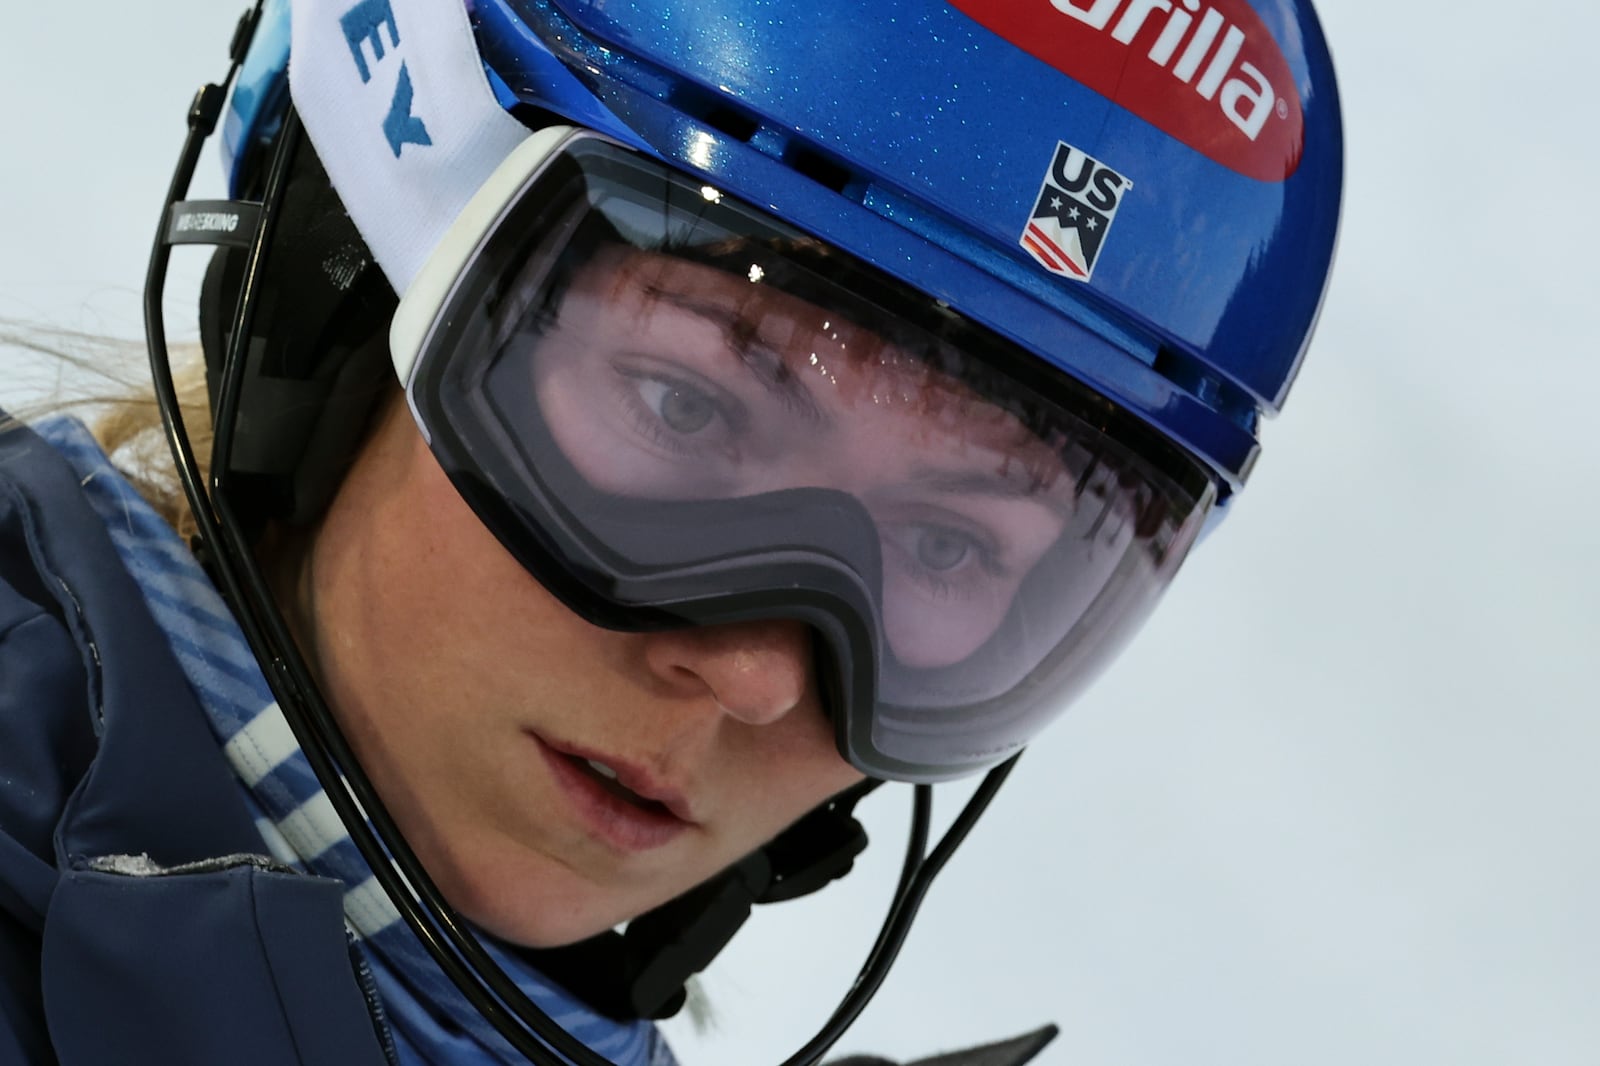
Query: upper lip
column 634, row 777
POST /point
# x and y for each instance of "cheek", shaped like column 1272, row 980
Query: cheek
column 411, row 593
column 785, row 771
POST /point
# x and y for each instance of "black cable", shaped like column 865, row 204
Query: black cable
column 895, row 929
column 245, row 593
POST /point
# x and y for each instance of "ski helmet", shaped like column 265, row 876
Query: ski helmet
column 1102, row 228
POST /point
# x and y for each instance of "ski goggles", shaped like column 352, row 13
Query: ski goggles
column 675, row 410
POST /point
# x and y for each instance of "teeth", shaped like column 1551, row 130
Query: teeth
column 602, row 769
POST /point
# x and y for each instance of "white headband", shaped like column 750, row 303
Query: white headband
column 394, row 98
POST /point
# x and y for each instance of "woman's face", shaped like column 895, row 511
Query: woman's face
column 480, row 705
column 474, row 700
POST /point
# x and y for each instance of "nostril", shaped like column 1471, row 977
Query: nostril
column 754, row 671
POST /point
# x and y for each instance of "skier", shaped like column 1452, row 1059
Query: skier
column 640, row 430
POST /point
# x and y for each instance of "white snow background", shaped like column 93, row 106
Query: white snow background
column 1337, row 805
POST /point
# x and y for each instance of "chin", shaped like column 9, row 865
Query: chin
column 536, row 905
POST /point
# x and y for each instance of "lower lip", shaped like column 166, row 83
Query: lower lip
column 623, row 825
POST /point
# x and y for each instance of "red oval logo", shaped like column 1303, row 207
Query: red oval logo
column 1205, row 72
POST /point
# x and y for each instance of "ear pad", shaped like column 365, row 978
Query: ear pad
column 314, row 357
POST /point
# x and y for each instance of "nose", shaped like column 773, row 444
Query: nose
column 755, row 671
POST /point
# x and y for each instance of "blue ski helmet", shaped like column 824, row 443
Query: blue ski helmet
column 1164, row 174
column 1106, row 226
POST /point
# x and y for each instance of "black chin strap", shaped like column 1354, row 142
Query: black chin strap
column 641, row 973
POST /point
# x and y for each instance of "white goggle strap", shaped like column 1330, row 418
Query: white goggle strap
column 436, row 277
column 394, row 98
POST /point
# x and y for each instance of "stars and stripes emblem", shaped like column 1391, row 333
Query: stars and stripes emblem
column 1077, row 203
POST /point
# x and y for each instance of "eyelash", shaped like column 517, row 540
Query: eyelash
column 987, row 563
column 649, row 424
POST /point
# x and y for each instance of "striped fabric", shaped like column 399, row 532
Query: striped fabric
column 431, row 1022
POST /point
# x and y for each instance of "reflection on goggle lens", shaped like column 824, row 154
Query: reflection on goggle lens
column 675, row 407
column 661, row 378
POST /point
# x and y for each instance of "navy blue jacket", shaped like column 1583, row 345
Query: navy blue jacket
column 105, row 751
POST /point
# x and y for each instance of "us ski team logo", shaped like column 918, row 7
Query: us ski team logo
column 1077, row 204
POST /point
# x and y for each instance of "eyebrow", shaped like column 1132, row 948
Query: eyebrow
column 764, row 362
column 1014, row 483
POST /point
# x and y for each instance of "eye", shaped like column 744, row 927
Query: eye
column 681, row 408
column 934, row 550
column 940, row 549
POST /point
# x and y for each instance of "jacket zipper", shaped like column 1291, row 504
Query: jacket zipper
column 369, row 989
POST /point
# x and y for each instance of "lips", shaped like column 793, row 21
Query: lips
column 629, row 808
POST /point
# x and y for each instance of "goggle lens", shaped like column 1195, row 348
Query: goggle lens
column 676, row 410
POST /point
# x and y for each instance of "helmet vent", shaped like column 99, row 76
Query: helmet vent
column 1190, row 375
column 747, row 128
column 734, row 123
column 818, row 167
column 716, row 111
